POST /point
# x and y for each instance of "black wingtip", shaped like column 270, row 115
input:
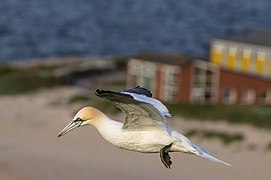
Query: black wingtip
column 140, row 90
column 102, row 93
column 97, row 92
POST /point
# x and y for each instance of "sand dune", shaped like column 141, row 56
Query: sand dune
column 30, row 149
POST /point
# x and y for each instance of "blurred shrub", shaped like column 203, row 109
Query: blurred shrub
column 79, row 99
column 5, row 69
column 14, row 81
column 120, row 62
column 258, row 116
column 226, row 138
column 268, row 147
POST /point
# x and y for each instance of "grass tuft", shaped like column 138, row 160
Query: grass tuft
column 79, row 99
column 226, row 138
column 268, row 146
column 22, row 80
column 258, row 116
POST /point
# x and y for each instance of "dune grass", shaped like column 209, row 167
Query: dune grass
column 259, row 116
column 24, row 78
column 79, row 98
column 226, row 138
column 18, row 80
column 268, row 146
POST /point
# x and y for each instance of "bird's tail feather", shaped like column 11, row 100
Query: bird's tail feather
column 193, row 148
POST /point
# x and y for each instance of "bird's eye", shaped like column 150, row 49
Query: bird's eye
column 78, row 119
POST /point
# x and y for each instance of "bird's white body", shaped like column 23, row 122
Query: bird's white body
column 145, row 141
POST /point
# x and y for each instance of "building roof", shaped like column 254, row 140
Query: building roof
column 172, row 59
column 254, row 37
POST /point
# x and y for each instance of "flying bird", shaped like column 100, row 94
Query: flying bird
column 144, row 129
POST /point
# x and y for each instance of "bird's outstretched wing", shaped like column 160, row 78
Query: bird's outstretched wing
column 140, row 109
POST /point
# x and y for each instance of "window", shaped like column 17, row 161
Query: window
column 216, row 54
column 260, row 65
column 246, row 60
column 146, row 76
column 209, row 77
column 229, row 96
column 247, row 96
column 265, row 96
column 170, row 83
column 204, row 85
column 208, row 96
column 197, row 76
column 170, row 93
column 147, row 82
column 232, row 58
column 203, row 95
column 133, row 73
column 172, row 77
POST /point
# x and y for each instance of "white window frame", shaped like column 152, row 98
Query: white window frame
column 232, row 96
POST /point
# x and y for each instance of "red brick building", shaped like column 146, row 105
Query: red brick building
column 241, row 88
column 180, row 79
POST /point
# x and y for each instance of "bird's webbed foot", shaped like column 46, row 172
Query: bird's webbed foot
column 165, row 157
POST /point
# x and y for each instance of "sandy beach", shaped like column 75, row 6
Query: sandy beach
column 30, row 149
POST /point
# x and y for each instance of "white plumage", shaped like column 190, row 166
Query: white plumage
column 145, row 128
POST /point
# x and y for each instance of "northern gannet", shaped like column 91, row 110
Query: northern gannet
column 144, row 129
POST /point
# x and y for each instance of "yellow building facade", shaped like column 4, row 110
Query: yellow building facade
column 240, row 56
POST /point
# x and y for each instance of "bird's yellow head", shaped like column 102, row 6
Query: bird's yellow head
column 85, row 116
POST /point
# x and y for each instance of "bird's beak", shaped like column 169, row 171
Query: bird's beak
column 74, row 124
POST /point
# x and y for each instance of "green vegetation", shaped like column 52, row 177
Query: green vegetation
column 24, row 78
column 19, row 80
column 5, row 69
column 226, row 138
column 120, row 62
column 79, row 99
column 268, row 147
column 259, row 116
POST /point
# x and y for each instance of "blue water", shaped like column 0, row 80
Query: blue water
column 44, row 28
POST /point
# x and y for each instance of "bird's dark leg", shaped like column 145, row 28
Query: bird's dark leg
column 164, row 155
